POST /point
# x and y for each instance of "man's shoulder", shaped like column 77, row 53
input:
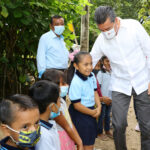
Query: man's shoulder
column 48, row 35
column 129, row 22
column 45, row 35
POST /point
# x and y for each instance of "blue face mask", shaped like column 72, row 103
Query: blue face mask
column 53, row 114
column 63, row 91
column 59, row 29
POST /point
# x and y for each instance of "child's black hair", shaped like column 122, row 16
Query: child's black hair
column 54, row 75
column 102, row 64
column 71, row 69
column 44, row 92
column 51, row 75
column 17, row 102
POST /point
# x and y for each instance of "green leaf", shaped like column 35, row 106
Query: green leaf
column 17, row 14
column 4, row 59
column 22, row 78
column 4, row 12
column 1, row 24
column 26, row 21
column 27, row 13
column 11, row 5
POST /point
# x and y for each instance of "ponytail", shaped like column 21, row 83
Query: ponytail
column 70, row 73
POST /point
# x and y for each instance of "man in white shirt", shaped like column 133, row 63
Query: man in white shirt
column 127, row 45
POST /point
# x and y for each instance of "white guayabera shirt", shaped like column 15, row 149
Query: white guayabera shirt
column 129, row 55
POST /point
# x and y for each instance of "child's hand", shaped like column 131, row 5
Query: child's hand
column 98, row 110
column 94, row 111
column 107, row 100
column 80, row 147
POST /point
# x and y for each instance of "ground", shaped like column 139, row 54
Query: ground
column 133, row 137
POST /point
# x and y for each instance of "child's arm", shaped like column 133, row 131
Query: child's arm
column 106, row 100
column 61, row 120
column 98, row 105
column 79, row 147
column 81, row 108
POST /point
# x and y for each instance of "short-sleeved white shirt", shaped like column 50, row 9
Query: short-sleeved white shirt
column 49, row 137
column 82, row 89
column 64, row 110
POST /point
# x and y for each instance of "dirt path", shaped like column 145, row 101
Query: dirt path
column 133, row 137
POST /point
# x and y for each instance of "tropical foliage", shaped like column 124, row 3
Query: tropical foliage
column 22, row 22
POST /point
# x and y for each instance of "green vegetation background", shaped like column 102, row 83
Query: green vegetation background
column 22, row 22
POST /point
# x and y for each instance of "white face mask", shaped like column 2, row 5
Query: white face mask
column 109, row 34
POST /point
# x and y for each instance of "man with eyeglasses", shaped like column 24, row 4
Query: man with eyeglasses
column 127, row 45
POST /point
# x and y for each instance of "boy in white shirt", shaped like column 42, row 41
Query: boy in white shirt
column 46, row 95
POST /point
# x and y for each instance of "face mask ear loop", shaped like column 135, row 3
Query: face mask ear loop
column 117, row 26
column 11, row 129
column 55, row 105
column 13, row 140
column 50, row 106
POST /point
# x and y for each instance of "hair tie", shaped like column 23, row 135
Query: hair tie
column 71, row 55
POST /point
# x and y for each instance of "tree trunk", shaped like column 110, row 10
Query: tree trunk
column 84, row 38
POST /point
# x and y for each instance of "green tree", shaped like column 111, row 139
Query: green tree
column 144, row 14
column 22, row 22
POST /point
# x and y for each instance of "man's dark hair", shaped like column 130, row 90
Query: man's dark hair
column 104, row 12
column 55, row 17
column 43, row 93
column 17, row 102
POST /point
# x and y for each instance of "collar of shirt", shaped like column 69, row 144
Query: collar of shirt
column 4, row 146
column 123, row 23
column 53, row 35
column 80, row 75
column 45, row 124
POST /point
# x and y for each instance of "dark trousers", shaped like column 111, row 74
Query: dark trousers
column 135, row 110
column 120, row 105
column 104, row 118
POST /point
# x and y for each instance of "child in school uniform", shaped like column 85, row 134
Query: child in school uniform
column 95, row 71
column 46, row 95
column 103, row 99
column 19, row 120
column 67, row 132
column 103, row 77
column 83, row 95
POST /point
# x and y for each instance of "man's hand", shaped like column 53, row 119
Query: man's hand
column 107, row 100
column 149, row 89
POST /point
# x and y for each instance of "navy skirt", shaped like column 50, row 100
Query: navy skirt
column 86, row 125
